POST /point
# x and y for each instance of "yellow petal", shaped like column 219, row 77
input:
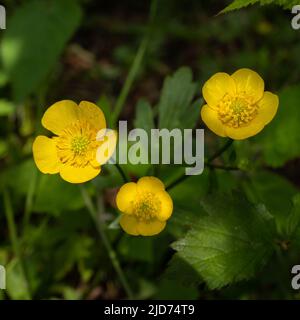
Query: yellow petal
column 129, row 224
column 245, row 132
column 60, row 115
column 166, row 206
column 45, row 155
column 216, row 88
column 150, row 184
column 210, row 118
column 92, row 114
column 268, row 106
column 126, row 197
column 78, row 175
column 151, row 228
column 249, row 82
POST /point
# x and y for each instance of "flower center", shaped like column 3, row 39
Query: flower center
column 236, row 111
column 77, row 144
column 146, row 206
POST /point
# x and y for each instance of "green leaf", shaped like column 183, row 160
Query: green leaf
column 275, row 192
column 187, row 200
column 3, row 149
column 106, row 107
column 115, row 224
column 19, row 176
column 137, row 248
column 179, row 269
column 144, row 116
column 54, row 195
column 279, row 141
column 15, row 282
column 146, row 289
column 175, row 106
column 174, row 290
column 70, row 293
column 238, row 4
column 72, row 250
column 6, row 107
column 231, row 243
column 34, row 40
column 183, row 218
column 292, row 226
column 66, row 247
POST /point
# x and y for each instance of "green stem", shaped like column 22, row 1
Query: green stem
column 207, row 163
column 134, row 67
column 220, row 167
column 101, row 230
column 129, row 81
column 220, row 151
column 29, row 200
column 122, row 173
column 14, row 238
column 282, row 266
column 211, row 166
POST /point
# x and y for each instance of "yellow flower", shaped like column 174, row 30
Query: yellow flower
column 72, row 151
column 145, row 206
column 237, row 105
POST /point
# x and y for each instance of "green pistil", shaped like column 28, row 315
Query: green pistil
column 79, row 145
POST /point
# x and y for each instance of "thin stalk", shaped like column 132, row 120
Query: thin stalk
column 29, row 200
column 211, row 166
column 14, row 238
column 135, row 66
column 122, row 173
column 225, row 168
column 101, row 231
column 220, row 151
column 129, row 80
column 282, row 266
column 208, row 163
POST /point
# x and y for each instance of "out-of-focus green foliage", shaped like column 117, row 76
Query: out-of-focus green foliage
column 35, row 38
column 275, row 147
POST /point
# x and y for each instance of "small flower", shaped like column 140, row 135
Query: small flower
column 145, row 206
column 237, row 105
column 72, row 152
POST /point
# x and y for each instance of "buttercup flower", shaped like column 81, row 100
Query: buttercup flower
column 237, row 105
column 72, row 151
column 145, row 206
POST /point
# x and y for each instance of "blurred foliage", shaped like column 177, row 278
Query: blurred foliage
column 219, row 243
column 276, row 148
column 36, row 37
